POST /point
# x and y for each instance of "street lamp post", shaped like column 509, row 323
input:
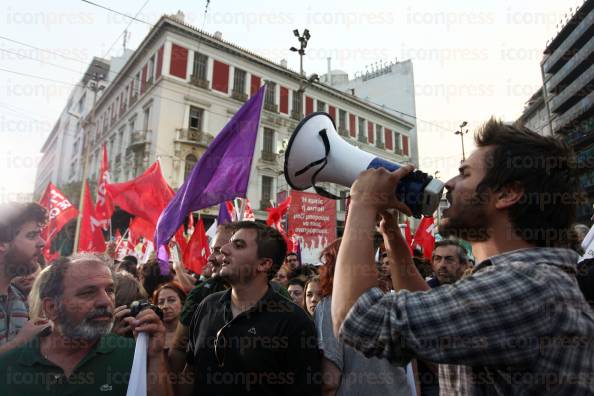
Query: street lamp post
column 461, row 132
column 303, row 39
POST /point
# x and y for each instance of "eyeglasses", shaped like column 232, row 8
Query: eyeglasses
column 220, row 344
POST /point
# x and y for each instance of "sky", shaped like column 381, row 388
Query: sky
column 472, row 60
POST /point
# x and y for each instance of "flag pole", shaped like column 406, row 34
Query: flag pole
column 94, row 86
column 122, row 238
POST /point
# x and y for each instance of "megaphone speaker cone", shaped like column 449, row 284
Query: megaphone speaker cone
column 316, row 153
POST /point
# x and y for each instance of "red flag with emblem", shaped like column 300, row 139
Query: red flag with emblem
column 60, row 211
column 91, row 237
column 197, row 251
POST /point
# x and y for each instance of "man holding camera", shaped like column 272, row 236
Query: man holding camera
column 80, row 356
column 519, row 323
column 250, row 338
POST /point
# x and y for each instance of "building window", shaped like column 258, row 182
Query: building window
column 137, row 84
column 361, row 127
column 147, row 116
column 200, row 65
column 321, row 106
column 342, row 201
column 270, row 98
column 196, row 117
column 151, row 69
column 268, row 143
column 190, row 162
column 342, row 119
column 297, row 102
column 81, row 104
column 379, row 136
column 120, row 144
column 266, row 191
column 397, row 143
column 239, row 81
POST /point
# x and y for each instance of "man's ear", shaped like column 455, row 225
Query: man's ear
column 50, row 308
column 508, row 195
column 4, row 246
column 265, row 265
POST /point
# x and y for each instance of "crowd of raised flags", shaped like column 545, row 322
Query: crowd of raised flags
column 163, row 219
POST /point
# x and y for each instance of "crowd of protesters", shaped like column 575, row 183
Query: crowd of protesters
column 367, row 319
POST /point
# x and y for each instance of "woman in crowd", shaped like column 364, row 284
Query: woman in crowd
column 312, row 295
column 170, row 298
column 344, row 370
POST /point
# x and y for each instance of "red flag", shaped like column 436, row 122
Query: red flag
column 248, row 212
column 275, row 215
column 231, row 210
column 90, row 237
column 104, row 206
column 145, row 196
column 60, row 210
column 197, row 251
column 424, row 237
column 139, row 227
column 180, row 239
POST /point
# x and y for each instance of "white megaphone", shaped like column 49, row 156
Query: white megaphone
column 316, row 153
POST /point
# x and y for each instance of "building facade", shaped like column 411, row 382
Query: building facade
column 182, row 85
column 568, row 97
column 390, row 87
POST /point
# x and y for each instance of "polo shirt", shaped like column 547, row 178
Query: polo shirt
column 197, row 294
column 271, row 349
column 104, row 371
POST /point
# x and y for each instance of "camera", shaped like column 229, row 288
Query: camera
column 140, row 305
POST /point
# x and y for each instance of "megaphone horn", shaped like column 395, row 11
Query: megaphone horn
column 316, row 153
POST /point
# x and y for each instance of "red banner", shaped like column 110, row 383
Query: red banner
column 60, row 210
column 312, row 219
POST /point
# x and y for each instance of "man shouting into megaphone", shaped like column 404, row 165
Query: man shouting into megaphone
column 518, row 324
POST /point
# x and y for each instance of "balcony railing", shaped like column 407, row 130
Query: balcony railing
column 271, row 107
column 296, row 115
column 193, row 136
column 133, row 99
column 567, row 68
column 342, row 131
column 265, row 204
column 362, row 138
column 139, row 137
column 268, row 156
column 575, row 88
column 552, row 63
column 199, row 82
column 118, row 158
column 574, row 112
column 239, row 96
column 380, row 145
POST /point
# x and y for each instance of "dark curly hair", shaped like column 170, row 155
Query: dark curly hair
column 544, row 167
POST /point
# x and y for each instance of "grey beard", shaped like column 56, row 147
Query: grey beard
column 85, row 330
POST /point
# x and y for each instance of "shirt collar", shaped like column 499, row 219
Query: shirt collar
column 31, row 353
column 565, row 259
column 268, row 296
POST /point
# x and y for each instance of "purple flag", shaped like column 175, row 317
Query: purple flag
column 224, row 217
column 221, row 174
